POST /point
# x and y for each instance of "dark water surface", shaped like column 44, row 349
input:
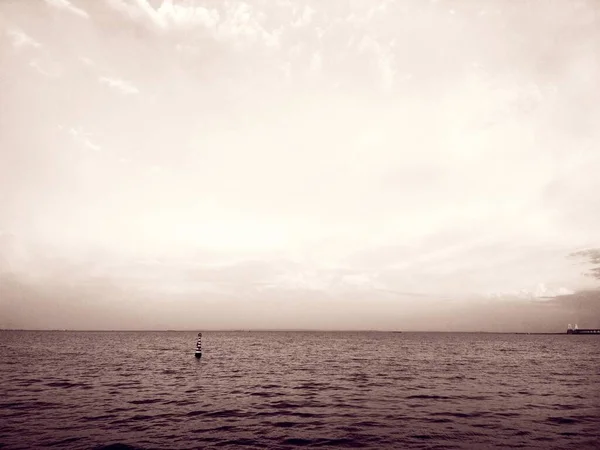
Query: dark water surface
column 288, row 389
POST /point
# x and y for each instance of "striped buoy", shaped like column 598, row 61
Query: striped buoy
column 198, row 353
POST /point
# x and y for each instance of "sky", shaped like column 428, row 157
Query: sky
column 272, row 164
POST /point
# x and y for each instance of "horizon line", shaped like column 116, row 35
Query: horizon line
column 271, row 330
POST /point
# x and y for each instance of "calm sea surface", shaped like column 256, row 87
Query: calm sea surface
column 288, row 389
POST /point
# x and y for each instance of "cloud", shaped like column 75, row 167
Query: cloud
column 242, row 25
column 122, row 86
column 151, row 13
column 188, row 16
column 68, row 6
column 21, row 39
column 46, row 66
column 33, row 302
column 83, row 138
column 129, row 9
column 237, row 22
column 168, row 15
column 593, row 257
column 305, row 17
column 87, row 61
column 91, row 145
column 384, row 60
column 379, row 148
column 316, row 63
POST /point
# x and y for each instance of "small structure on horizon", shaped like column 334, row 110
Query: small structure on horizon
column 577, row 330
column 198, row 353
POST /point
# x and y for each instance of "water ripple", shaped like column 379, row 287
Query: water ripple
column 283, row 390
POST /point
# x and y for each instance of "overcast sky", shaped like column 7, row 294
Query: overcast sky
column 340, row 151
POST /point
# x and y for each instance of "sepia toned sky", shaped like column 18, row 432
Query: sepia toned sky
column 208, row 156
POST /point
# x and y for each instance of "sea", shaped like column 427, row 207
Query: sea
column 279, row 390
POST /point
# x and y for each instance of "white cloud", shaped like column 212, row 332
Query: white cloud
column 384, row 59
column 152, row 14
column 68, row 6
column 539, row 292
column 128, row 9
column 45, row 66
column 238, row 107
column 83, row 137
column 242, row 25
column 142, row 11
column 188, row 16
column 305, row 17
column 239, row 23
column 385, row 64
column 87, row 61
column 316, row 63
column 21, row 39
column 91, row 145
column 122, row 86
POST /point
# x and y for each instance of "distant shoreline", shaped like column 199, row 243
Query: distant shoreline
column 280, row 331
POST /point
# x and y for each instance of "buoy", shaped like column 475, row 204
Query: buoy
column 198, row 353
